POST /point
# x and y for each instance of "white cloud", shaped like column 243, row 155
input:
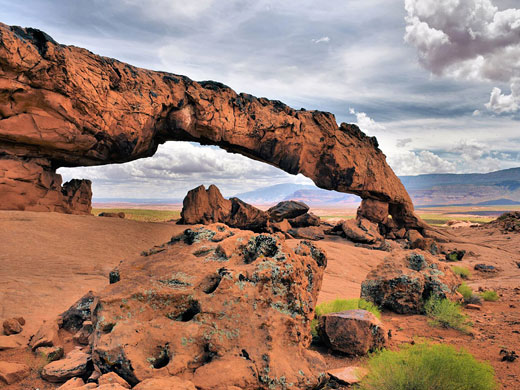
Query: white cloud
column 402, row 142
column 422, row 162
column 321, row 40
column 500, row 103
column 467, row 39
column 366, row 124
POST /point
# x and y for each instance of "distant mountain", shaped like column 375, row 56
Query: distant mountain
column 309, row 194
column 475, row 189
column 494, row 188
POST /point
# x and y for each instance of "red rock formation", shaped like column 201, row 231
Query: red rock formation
column 65, row 106
column 215, row 306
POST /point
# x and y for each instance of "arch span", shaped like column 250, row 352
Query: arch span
column 63, row 106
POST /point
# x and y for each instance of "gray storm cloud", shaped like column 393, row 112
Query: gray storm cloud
column 468, row 39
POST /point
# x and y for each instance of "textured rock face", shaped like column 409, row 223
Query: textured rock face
column 354, row 332
column 65, row 106
column 209, row 206
column 216, row 306
column 404, row 284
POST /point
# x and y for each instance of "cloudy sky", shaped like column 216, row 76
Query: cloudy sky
column 436, row 81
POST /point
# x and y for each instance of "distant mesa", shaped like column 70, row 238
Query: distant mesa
column 63, row 106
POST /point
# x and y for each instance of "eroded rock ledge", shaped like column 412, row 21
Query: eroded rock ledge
column 63, row 106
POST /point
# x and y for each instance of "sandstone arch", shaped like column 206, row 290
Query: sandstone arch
column 63, row 106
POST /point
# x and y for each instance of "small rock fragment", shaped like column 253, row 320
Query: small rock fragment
column 166, row 383
column 47, row 336
column 485, row 268
column 12, row 326
column 112, row 378
column 73, row 383
column 82, row 336
column 348, row 375
column 9, row 342
column 75, row 364
column 50, row 354
column 508, row 356
column 13, row 372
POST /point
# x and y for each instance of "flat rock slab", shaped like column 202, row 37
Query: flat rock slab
column 10, row 342
column 348, row 375
column 13, row 372
column 74, row 365
column 166, row 383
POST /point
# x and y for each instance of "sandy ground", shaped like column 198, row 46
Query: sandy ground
column 49, row 260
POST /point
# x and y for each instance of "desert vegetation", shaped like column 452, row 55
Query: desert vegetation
column 427, row 366
column 445, row 313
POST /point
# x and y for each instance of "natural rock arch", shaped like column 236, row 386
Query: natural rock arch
column 63, row 106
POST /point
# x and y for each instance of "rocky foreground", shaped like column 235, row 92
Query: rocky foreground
column 107, row 340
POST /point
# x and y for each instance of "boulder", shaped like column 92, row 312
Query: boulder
column 46, row 336
column 287, row 210
column 112, row 378
column 283, row 226
column 361, row 231
column 354, row 332
column 348, row 375
column 50, row 354
column 72, row 320
column 374, row 210
column 403, row 283
column 305, row 220
column 308, row 233
column 166, row 383
column 13, row 372
column 201, row 206
column 75, row 364
column 214, row 298
column 12, row 326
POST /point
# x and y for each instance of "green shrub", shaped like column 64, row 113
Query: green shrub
column 490, row 296
column 428, row 367
column 338, row 305
column 446, row 314
column 465, row 290
column 463, row 272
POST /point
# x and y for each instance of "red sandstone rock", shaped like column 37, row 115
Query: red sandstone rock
column 348, row 375
column 235, row 312
column 47, row 336
column 12, row 326
column 308, row 233
column 112, row 378
column 12, row 372
column 287, row 210
column 73, row 365
column 10, row 342
column 50, row 354
column 73, row 383
column 362, row 231
column 166, row 383
column 404, row 284
column 354, row 332
column 65, row 106
column 209, row 206
column 305, row 220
